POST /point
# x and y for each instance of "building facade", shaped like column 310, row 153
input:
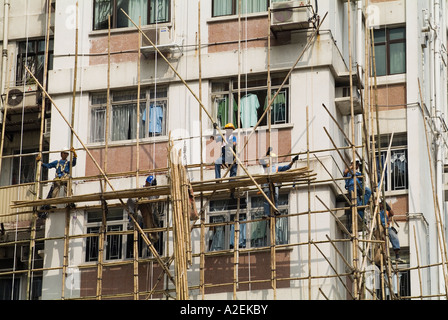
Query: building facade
column 220, row 62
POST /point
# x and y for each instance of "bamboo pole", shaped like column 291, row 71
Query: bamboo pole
column 101, row 244
column 205, row 109
column 418, row 263
column 308, row 200
column 108, row 108
column 75, row 83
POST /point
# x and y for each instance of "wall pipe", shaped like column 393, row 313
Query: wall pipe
column 4, row 54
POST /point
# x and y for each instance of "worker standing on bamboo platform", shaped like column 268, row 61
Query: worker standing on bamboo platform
column 62, row 167
column 386, row 221
column 226, row 157
column 363, row 194
column 270, row 165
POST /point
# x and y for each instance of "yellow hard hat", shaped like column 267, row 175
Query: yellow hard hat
column 229, row 126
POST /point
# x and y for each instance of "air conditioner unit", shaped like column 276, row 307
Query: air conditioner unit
column 22, row 96
column 159, row 36
column 290, row 15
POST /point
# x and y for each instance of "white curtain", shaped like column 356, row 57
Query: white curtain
column 252, row 6
column 222, row 7
column 124, row 122
column 135, row 9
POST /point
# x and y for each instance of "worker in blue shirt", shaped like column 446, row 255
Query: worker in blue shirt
column 270, row 165
column 350, row 174
column 62, row 167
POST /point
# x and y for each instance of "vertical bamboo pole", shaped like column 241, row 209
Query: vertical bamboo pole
column 101, row 243
column 202, row 243
column 69, row 183
column 138, row 102
column 135, row 233
column 69, row 187
column 106, row 131
column 39, row 163
column 418, row 264
column 354, row 195
column 309, row 200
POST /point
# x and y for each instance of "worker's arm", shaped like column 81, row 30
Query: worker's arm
column 287, row 167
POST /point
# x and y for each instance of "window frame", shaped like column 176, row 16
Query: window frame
column 387, row 43
column 399, row 144
column 248, row 212
column 23, row 57
column 114, row 22
column 234, row 9
column 253, row 85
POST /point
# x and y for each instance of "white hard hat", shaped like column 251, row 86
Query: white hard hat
column 65, row 149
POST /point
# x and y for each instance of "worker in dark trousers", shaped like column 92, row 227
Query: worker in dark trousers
column 270, row 165
column 386, row 221
column 363, row 194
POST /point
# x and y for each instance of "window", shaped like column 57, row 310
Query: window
column 32, row 54
column 390, row 51
column 24, row 168
column 396, row 174
column 116, row 221
column 123, row 115
column 152, row 11
column 221, row 234
column 253, row 103
column 230, row 7
column 119, row 246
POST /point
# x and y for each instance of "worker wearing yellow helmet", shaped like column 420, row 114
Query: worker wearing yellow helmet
column 226, row 157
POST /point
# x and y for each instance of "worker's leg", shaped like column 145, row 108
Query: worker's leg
column 217, row 171
column 56, row 188
column 266, row 205
column 233, row 170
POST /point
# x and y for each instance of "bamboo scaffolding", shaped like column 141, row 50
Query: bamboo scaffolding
column 177, row 192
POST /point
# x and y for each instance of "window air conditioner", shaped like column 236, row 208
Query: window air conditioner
column 22, row 96
column 290, row 15
column 160, row 37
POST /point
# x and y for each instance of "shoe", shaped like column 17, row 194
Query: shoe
column 399, row 260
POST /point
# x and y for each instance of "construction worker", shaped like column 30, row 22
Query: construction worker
column 62, row 167
column 386, row 221
column 226, row 158
column 351, row 173
column 270, row 165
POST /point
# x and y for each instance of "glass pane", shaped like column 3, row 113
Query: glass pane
column 97, row 125
column 222, row 8
column 252, row 6
column 124, row 96
column 160, row 10
column 103, row 8
column 397, row 58
column 217, row 240
column 114, row 243
column 380, row 60
column 379, row 35
column 134, row 9
column 397, row 33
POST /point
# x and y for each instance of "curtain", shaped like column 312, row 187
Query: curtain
column 222, row 7
column 160, row 10
column 103, row 8
column 97, row 125
column 252, row 6
column 124, row 122
column 135, row 9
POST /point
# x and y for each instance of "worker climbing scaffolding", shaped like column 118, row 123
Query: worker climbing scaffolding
column 363, row 193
